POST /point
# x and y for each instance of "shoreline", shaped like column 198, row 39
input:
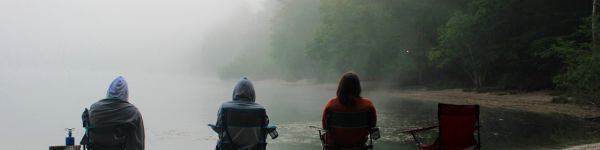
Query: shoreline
column 592, row 146
column 538, row 102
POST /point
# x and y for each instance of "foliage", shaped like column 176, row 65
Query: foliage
column 482, row 44
column 377, row 39
column 496, row 42
column 581, row 74
column 293, row 26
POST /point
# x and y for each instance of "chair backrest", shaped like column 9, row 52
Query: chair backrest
column 103, row 137
column 347, row 129
column 348, row 120
column 109, row 137
column 245, row 128
column 457, row 125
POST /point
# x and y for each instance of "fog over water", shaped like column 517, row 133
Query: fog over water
column 58, row 57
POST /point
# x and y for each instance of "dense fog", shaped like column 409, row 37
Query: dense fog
column 58, row 57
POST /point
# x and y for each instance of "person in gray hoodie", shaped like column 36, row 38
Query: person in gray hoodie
column 117, row 124
column 243, row 99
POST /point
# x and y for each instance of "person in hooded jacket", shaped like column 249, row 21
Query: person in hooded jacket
column 117, row 123
column 243, row 98
column 349, row 99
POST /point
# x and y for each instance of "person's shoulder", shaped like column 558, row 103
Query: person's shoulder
column 227, row 104
column 257, row 105
column 95, row 104
column 99, row 103
column 332, row 101
column 367, row 101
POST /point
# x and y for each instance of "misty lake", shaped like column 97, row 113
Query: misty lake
column 176, row 107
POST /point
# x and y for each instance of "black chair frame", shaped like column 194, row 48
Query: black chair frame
column 348, row 120
column 226, row 141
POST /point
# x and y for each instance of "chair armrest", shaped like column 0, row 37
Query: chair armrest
column 272, row 130
column 315, row 127
column 217, row 129
column 322, row 133
column 375, row 133
column 271, row 127
column 409, row 131
column 318, row 129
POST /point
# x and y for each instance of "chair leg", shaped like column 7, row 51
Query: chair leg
column 415, row 138
column 322, row 140
column 370, row 142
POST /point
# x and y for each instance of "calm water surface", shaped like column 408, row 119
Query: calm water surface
column 176, row 108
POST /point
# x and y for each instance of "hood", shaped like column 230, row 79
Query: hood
column 118, row 89
column 244, row 91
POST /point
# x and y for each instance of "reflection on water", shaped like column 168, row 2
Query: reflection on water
column 176, row 109
column 501, row 128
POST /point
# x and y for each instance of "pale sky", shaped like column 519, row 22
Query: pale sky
column 108, row 34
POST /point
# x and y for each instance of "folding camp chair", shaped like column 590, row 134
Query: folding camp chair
column 457, row 126
column 243, row 129
column 117, row 132
column 348, row 120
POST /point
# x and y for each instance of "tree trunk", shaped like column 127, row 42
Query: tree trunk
column 593, row 17
column 474, row 69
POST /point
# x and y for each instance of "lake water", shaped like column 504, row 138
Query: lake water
column 39, row 104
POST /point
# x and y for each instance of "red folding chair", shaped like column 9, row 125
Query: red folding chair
column 457, row 126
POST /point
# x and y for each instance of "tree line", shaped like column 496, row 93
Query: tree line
column 478, row 44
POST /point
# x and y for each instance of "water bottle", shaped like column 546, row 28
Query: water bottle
column 70, row 140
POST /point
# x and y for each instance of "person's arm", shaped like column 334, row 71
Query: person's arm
column 373, row 115
column 324, row 115
column 323, row 118
column 219, row 120
column 137, row 139
column 266, row 119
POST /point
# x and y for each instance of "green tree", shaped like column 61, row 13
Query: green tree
column 378, row 39
column 294, row 24
column 496, row 42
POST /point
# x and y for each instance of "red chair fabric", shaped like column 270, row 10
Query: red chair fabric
column 457, row 125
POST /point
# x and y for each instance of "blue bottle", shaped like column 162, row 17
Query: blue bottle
column 70, row 140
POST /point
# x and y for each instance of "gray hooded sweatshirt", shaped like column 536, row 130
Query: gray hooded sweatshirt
column 116, row 110
column 243, row 98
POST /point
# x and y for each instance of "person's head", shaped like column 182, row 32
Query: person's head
column 348, row 91
column 118, row 89
column 244, row 91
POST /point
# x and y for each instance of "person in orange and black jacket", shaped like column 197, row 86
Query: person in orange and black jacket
column 348, row 99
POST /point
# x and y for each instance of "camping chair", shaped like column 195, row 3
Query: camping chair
column 243, row 129
column 353, row 120
column 457, row 126
column 118, row 132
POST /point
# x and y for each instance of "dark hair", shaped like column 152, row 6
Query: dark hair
column 348, row 91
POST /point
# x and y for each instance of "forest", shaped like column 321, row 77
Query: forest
column 478, row 45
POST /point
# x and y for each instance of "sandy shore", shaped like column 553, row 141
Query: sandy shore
column 595, row 146
column 539, row 102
